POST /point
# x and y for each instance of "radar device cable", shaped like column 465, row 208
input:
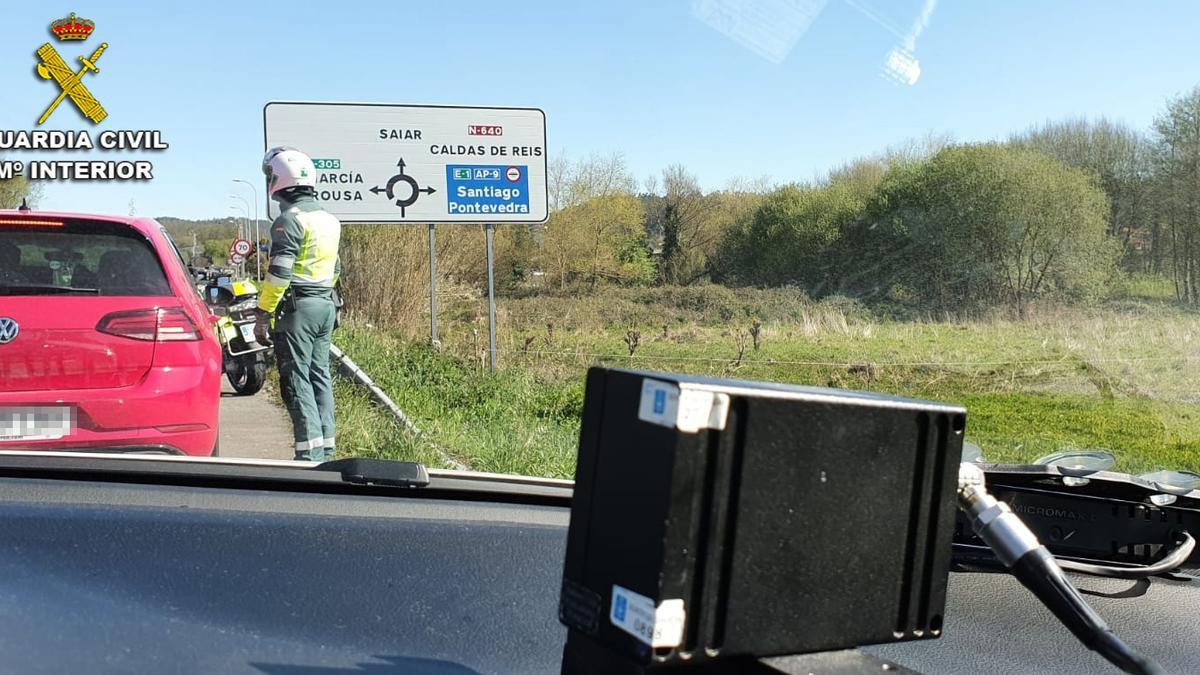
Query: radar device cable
column 1177, row 557
column 1021, row 552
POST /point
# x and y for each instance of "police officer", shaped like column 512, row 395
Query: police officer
column 299, row 293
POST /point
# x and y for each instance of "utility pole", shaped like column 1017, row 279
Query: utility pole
column 257, row 259
column 242, row 228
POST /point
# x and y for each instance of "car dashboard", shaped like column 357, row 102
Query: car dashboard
column 113, row 575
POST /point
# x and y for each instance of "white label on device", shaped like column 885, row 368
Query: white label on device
column 660, row 403
column 636, row 614
column 686, row 409
column 699, row 409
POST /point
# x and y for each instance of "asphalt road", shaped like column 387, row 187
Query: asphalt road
column 254, row 426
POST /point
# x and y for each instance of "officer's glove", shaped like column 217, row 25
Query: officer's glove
column 262, row 327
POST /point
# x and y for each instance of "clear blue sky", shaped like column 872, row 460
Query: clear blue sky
column 647, row 79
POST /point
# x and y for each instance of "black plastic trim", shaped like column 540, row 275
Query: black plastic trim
column 300, row 478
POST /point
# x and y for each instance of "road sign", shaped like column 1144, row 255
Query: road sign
column 380, row 163
column 237, row 258
column 241, row 247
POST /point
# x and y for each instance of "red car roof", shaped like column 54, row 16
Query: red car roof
column 146, row 226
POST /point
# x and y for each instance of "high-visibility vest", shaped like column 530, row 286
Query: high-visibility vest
column 304, row 251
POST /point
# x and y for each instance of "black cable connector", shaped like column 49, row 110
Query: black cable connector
column 1172, row 560
column 1020, row 551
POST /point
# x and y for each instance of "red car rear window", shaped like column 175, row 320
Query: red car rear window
column 78, row 257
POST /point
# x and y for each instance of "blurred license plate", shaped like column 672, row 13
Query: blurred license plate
column 36, row 423
column 247, row 332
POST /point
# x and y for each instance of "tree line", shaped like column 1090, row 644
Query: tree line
column 1061, row 210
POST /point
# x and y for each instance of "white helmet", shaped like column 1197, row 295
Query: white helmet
column 288, row 168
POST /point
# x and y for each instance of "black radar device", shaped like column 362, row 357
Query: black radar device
column 718, row 521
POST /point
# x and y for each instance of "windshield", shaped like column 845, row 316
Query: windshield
column 996, row 206
column 54, row 258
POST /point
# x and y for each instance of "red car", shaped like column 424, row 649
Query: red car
column 104, row 342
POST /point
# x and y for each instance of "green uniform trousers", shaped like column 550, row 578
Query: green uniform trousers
column 303, row 333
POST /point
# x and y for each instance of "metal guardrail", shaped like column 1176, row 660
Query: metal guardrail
column 361, row 377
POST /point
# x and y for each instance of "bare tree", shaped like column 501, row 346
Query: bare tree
column 694, row 223
column 558, row 171
column 1119, row 157
column 13, row 190
column 1177, row 175
column 596, row 230
column 682, row 223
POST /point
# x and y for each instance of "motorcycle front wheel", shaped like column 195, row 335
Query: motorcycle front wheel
column 247, row 374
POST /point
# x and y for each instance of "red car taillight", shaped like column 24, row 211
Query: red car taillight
column 140, row 324
column 174, row 325
column 164, row 325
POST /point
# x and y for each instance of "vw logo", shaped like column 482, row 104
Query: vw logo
column 8, row 330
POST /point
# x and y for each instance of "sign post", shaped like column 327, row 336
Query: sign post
column 238, row 250
column 384, row 163
column 488, row 234
column 433, row 334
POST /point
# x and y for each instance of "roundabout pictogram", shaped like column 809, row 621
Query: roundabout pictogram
column 411, row 190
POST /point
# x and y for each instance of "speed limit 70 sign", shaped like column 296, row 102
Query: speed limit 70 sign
column 240, row 247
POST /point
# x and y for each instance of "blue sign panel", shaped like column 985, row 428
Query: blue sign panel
column 479, row 189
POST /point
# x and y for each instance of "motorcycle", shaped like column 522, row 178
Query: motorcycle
column 244, row 357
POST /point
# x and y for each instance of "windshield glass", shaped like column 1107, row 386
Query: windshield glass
column 95, row 258
column 996, row 206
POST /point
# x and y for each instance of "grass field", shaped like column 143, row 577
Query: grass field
column 1120, row 378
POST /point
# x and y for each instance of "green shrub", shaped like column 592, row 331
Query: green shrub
column 981, row 226
column 717, row 303
column 1143, row 286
